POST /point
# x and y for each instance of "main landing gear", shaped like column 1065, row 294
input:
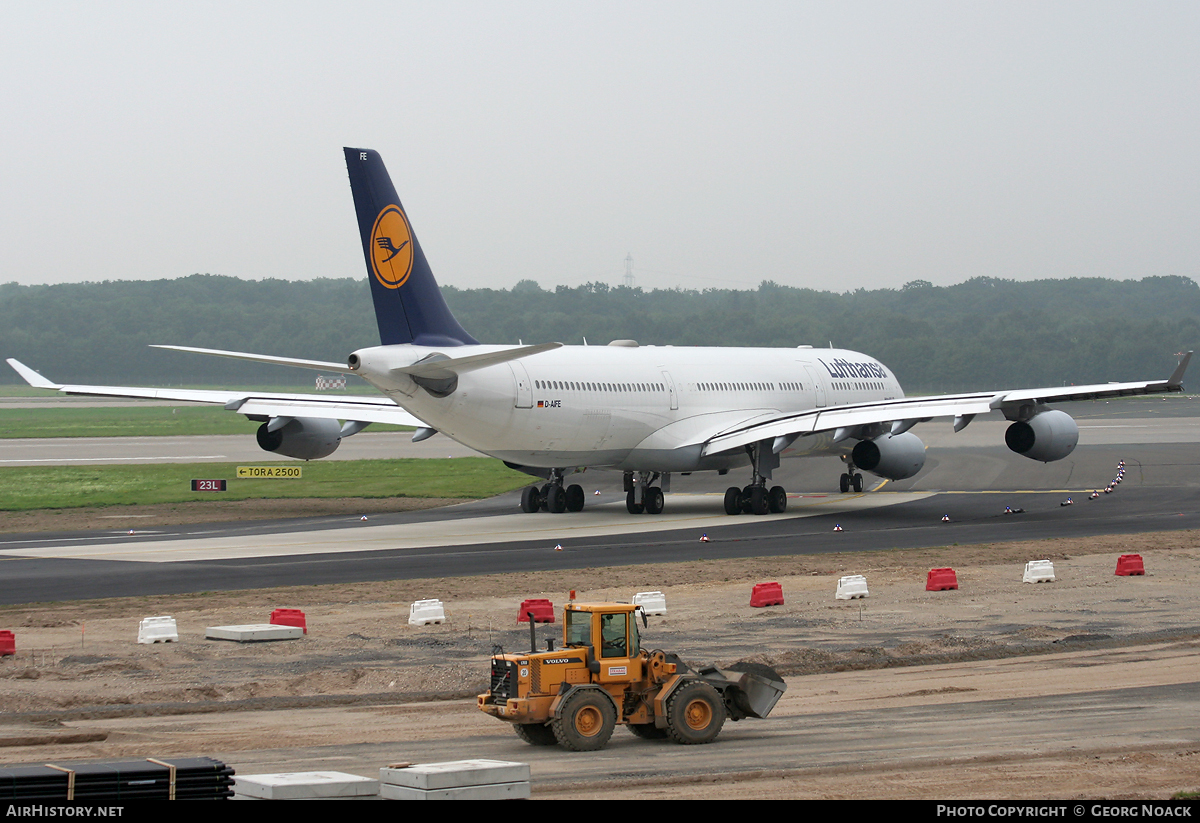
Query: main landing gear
column 643, row 498
column 757, row 498
column 552, row 497
column 851, row 479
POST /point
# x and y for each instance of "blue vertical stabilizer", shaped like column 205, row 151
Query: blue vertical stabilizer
column 408, row 304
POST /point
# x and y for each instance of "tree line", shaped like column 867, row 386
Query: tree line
column 982, row 333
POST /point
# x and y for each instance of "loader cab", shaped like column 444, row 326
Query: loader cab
column 611, row 630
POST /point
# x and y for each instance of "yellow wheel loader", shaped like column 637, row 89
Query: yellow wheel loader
column 576, row 696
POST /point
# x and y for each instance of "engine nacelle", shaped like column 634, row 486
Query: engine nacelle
column 894, row 456
column 305, row 438
column 1048, row 436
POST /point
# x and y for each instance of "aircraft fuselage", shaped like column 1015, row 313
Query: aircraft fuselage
column 627, row 407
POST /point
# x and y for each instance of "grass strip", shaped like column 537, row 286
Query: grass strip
column 25, row 488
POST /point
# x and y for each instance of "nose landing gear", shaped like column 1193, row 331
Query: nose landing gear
column 643, row 498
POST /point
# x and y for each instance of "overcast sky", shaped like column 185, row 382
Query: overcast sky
column 832, row 145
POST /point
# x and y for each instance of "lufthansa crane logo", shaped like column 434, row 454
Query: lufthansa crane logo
column 391, row 248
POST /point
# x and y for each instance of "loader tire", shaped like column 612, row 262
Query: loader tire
column 647, row 731
column 695, row 714
column 585, row 722
column 535, row 734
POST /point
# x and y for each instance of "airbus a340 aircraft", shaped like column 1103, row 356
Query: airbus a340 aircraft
column 647, row 411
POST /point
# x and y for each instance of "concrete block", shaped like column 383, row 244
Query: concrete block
column 305, row 785
column 494, row 791
column 158, row 630
column 456, row 780
column 455, row 774
column 424, row 612
column 254, row 633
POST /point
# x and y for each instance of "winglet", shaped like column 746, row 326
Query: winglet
column 1176, row 378
column 31, row 377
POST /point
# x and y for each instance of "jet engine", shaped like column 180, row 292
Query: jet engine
column 1050, row 435
column 894, row 456
column 305, row 438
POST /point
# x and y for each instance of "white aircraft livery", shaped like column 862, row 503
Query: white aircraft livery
column 647, row 411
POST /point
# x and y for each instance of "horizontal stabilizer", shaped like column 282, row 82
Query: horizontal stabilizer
column 319, row 365
column 439, row 366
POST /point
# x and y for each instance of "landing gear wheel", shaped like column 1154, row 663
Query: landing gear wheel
column 531, row 499
column 633, row 508
column 648, row 731
column 695, row 714
column 575, row 498
column 544, row 497
column 535, row 734
column 558, row 500
column 857, row 479
column 733, row 500
column 585, row 721
column 747, row 507
column 844, row 483
column 758, row 500
column 777, row 500
column 653, row 500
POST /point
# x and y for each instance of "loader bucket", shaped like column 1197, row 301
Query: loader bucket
column 753, row 692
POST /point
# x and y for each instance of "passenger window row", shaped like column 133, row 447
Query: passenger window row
column 574, row 385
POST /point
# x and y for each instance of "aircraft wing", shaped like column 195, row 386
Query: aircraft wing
column 903, row 413
column 367, row 409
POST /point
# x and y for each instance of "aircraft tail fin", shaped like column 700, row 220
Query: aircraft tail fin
column 409, row 307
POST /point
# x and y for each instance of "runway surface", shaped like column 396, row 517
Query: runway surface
column 968, row 476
